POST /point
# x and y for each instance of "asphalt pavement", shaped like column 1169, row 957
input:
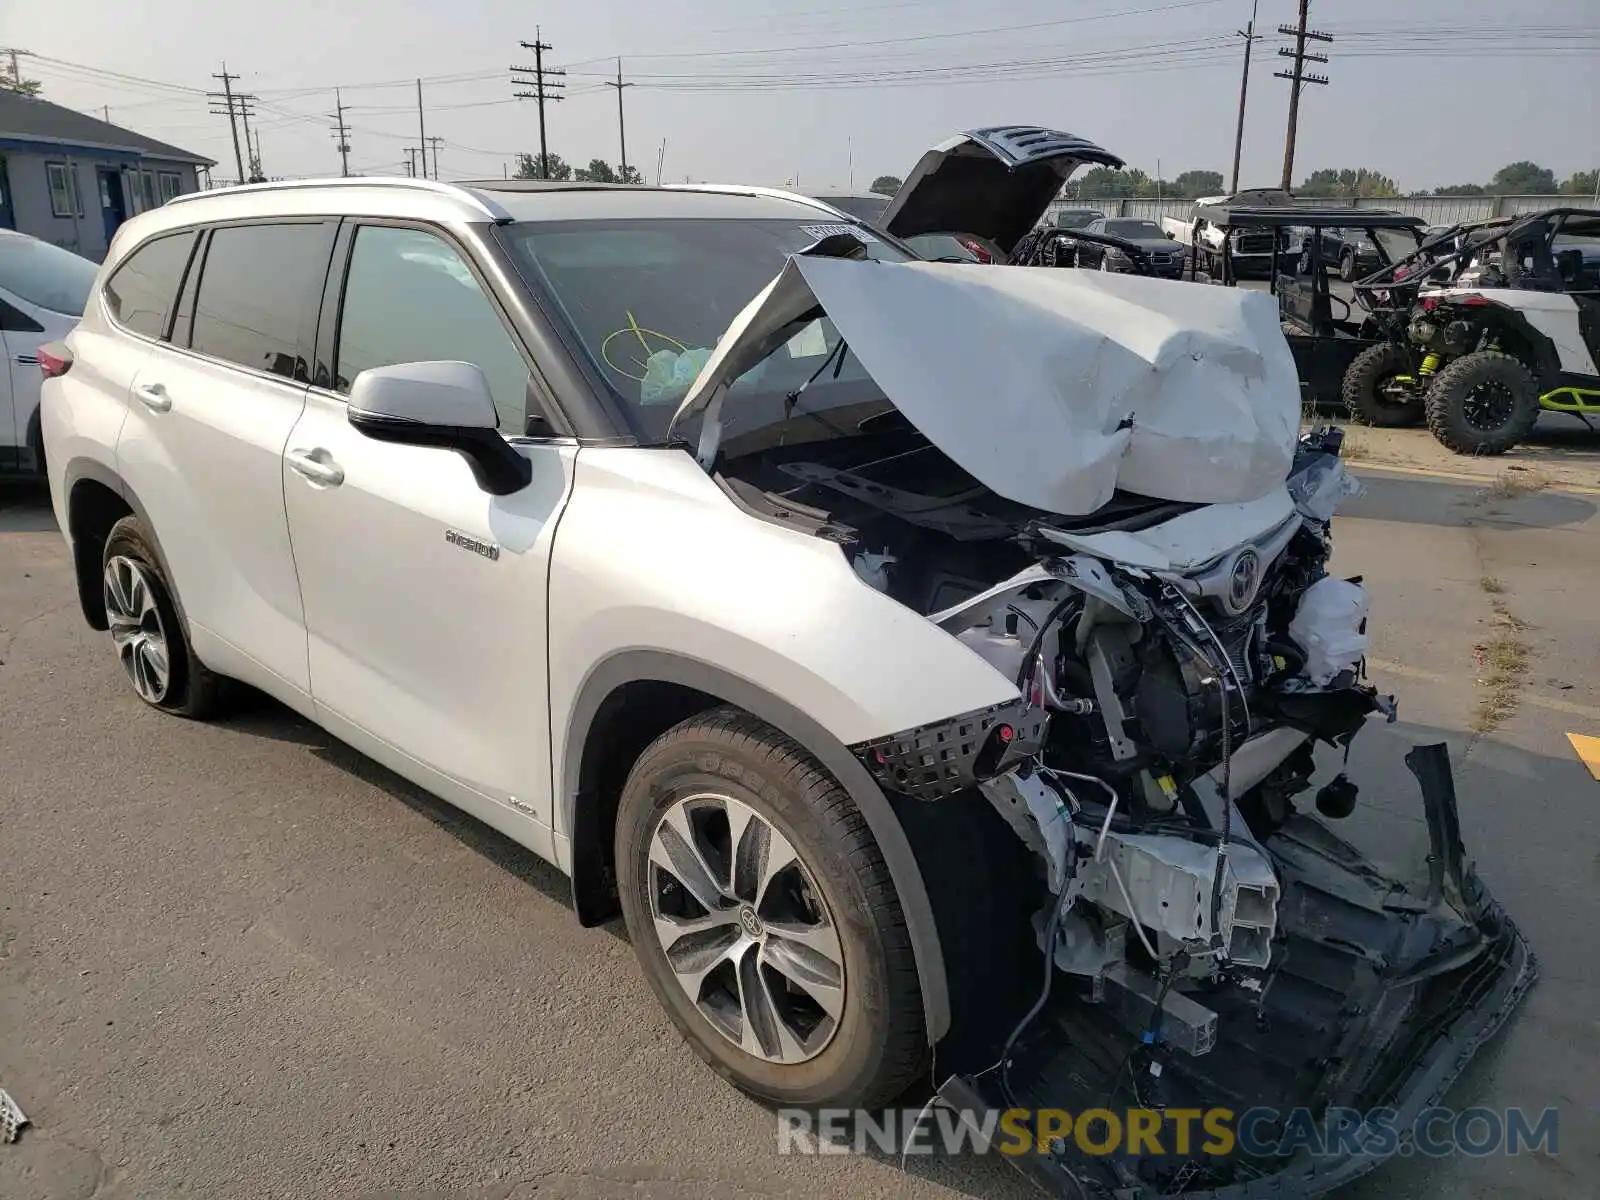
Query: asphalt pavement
column 239, row 959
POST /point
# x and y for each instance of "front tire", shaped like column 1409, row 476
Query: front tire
column 1483, row 403
column 765, row 919
column 149, row 635
column 1372, row 392
column 1347, row 267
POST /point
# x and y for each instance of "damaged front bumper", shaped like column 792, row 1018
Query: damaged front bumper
column 1376, row 997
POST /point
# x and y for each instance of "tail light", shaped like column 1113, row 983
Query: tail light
column 54, row 360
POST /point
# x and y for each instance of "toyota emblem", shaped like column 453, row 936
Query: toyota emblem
column 1244, row 577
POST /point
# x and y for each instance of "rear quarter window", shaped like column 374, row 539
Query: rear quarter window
column 142, row 291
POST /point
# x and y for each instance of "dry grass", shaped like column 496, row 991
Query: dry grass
column 1511, row 483
column 1503, row 659
column 1491, row 585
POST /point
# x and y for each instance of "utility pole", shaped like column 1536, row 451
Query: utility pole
column 622, row 133
column 661, row 157
column 227, row 95
column 1297, row 80
column 1248, row 33
column 422, row 132
column 255, row 161
column 411, row 161
column 341, row 131
column 252, row 154
column 105, row 111
column 546, row 85
column 434, row 142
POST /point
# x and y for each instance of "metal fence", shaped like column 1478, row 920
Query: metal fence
column 1435, row 210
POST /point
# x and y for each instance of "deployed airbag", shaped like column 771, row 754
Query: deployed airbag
column 1052, row 388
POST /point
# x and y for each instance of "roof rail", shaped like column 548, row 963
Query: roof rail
column 490, row 209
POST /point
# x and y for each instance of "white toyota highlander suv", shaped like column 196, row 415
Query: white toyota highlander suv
column 856, row 625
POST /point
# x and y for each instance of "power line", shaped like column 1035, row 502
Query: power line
column 1298, row 79
column 547, row 84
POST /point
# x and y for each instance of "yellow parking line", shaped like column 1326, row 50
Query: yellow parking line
column 1360, row 464
column 1588, row 749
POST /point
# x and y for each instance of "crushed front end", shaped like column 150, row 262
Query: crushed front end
column 1213, row 946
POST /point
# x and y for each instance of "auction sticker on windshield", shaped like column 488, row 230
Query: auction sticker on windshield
column 821, row 231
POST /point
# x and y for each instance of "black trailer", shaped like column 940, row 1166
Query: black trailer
column 1324, row 330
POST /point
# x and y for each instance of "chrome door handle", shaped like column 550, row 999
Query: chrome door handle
column 305, row 462
column 153, row 396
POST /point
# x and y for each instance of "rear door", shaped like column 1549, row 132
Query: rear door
column 425, row 595
column 202, row 447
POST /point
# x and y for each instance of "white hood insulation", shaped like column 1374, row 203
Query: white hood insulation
column 1050, row 387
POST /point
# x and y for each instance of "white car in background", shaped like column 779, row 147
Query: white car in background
column 42, row 292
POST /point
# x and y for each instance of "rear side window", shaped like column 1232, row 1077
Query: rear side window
column 257, row 302
column 409, row 297
column 140, row 292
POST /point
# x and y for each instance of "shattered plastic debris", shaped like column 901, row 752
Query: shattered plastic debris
column 1321, row 485
column 11, row 1118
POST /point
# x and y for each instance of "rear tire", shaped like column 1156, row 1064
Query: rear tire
column 151, row 639
column 716, row 805
column 1483, row 403
column 1347, row 267
column 1363, row 390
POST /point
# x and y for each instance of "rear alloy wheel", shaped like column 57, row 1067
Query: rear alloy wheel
column 146, row 629
column 1347, row 267
column 764, row 917
column 1380, row 389
column 1483, row 403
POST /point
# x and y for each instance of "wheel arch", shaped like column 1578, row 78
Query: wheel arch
column 1519, row 338
column 632, row 697
column 96, row 499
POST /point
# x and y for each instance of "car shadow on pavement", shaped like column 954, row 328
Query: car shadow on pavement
column 1424, row 500
column 25, row 507
column 260, row 716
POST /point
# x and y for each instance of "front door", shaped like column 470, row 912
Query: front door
column 424, row 595
column 113, row 207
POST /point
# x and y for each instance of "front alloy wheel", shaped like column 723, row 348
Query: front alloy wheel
column 745, row 929
column 137, row 630
column 764, row 917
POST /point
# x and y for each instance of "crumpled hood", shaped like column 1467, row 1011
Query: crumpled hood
column 1051, row 388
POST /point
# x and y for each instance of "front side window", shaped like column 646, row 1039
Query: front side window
column 63, row 190
column 45, row 275
column 257, row 296
column 409, row 297
column 141, row 291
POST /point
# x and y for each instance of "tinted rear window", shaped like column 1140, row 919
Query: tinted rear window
column 258, row 296
column 45, row 275
column 141, row 291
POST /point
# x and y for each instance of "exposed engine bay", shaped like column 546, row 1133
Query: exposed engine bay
column 1209, row 942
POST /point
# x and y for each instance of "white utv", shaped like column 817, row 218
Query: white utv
column 917, row 655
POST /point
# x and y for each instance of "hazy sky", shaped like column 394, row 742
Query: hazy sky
column 766, row 91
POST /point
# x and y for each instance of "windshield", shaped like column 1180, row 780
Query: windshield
column 864, row 208
column 46, row 275
column 1394, row 244
column 1077, row 218
column 648, row 299
column 1134, row 229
